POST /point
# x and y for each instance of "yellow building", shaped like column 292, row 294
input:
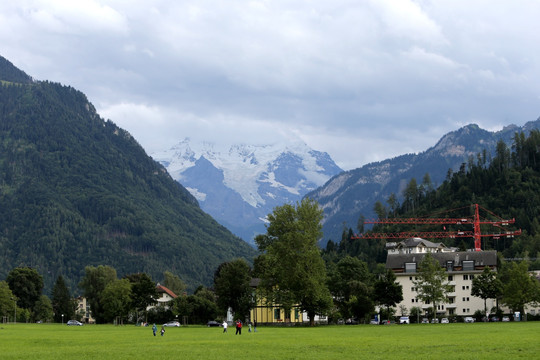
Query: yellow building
column 264, row 313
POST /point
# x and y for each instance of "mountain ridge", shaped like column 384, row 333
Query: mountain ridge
column 77, row 190
column 353, row 193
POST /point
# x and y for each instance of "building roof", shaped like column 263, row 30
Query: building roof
column 415, row 242
column 480, row 258
column 163, row 289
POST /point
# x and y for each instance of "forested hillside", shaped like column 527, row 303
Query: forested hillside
column 507, row 186
column 76, row 190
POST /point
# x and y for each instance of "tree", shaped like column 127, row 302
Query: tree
column 486, row 286
column 43, row 309
column 62, row 303
column 231, row 285
column 410, row 193
column 294, row 272
column 387, row 291
column 7, row 300
column 431, row 284
column 199, row 307
column 143, row 292
column 350, row 285
column 26, row 284
column 519, row 286
column 173, row 283
column 93, row 284
column 116, row 300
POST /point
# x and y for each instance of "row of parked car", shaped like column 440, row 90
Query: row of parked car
column 467, row 319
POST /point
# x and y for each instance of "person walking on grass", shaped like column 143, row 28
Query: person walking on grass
column 238, row 327
column 225, row 326
column 162, row 330
column 154, row 329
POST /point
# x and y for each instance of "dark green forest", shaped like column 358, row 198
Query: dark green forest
column 507, row 185
column 76, row 190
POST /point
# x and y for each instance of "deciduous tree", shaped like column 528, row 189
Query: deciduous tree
column 231, row 285
column 93, row 284
column 519, row 286
column 116, row 300
column 431, row 284
column 387, row 291
column 143, row 292
column 294, row 272
column 487, row 286
column 26, row 284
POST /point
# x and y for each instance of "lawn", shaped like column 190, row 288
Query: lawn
column 422, row 341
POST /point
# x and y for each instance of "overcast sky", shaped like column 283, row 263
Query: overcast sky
column 361, row 80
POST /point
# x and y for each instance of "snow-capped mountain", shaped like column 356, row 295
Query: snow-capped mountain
column 240, row 185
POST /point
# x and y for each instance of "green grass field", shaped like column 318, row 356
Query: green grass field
column 423, row 341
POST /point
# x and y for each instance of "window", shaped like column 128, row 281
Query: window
column 450, row 278
column 413, row 289
column 449, row 265
column 465, row 277
column 410, row 267
column 450, row 311
column 277, row 314
column 296, row 313
column 468, row 265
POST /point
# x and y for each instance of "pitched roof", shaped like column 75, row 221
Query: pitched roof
column 163, row 289
column 480, row 258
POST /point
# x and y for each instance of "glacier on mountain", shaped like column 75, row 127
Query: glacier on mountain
column 239, row 185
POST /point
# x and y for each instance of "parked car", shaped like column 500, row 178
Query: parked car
column 351, row 321
column 172, row 324
column 374, row 322
column 494, row 319
column 505, row 319
column 445, row 321
column 404, row 320
column 469, row 319
column 425, row 321
column 74, row 323
column 212, row 323
column 435, row 321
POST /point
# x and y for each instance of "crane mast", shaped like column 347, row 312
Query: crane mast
column 476, row 233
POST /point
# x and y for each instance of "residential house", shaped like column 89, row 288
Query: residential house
column 165, row 296
column 83, row 308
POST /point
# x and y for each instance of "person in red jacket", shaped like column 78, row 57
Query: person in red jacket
column 238, row 327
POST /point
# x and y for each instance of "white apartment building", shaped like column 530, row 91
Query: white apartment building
column 461, row 268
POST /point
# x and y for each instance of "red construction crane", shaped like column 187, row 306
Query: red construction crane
column 475, row 221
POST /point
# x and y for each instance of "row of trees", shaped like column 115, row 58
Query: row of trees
column 109, row 297
column 21, row 298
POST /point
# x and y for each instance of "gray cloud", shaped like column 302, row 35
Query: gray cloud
column 361, row 80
